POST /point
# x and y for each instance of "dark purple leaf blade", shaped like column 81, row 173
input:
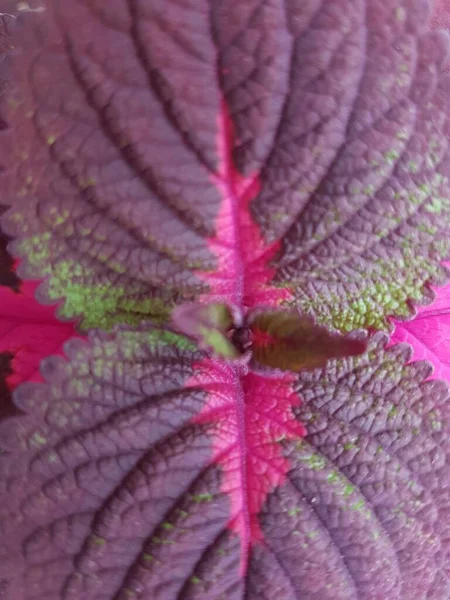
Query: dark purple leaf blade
column 137, row 152
column 129, row 140
column 124, row 479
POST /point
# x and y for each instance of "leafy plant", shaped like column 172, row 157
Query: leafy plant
column 261, row 173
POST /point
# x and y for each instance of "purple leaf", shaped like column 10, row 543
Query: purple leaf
column 247, row 154
column 127, row 478
column 142, row 145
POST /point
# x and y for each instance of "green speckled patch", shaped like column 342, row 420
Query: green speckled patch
column 100, row 300
column 98, row 541
column 38, row 439
column 292, row 512
column 132, row 342
column 147, row 557
column 387, row 292
column 201, row 498
column 107, row 304
column 359, row 505
column 400, row 14
column 399, row 257
column 314, row 461
column 100, row 305
column 133, row 348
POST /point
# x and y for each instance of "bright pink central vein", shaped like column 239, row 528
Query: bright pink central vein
column 233, row 189
column 252, row 413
